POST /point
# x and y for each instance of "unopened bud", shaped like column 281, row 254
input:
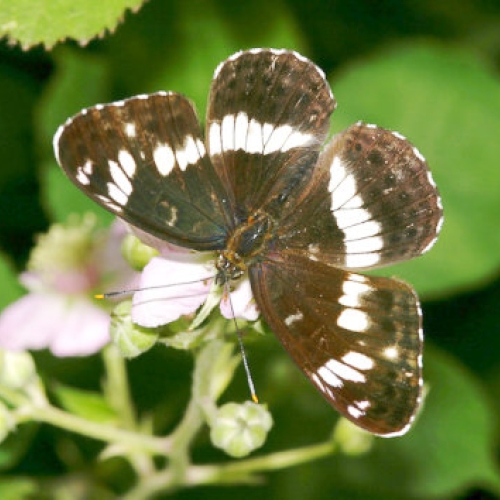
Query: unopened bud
column 136, row 253
column 351, row 439
column 131, row 339
column 239, row 429
column 17, row 369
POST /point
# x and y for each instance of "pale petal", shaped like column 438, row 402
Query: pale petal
column 172, row 288
column 83, row 330
column 242, row 301
column 30, row 322
column 68, row 327
column 111, row 266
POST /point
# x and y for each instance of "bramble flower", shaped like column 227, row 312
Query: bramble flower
column 178, row 282
column 69, row 263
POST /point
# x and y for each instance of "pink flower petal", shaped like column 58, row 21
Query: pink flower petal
column 29, row 323
column 42, row 320
column 83, row 330
column 243, row 303
column 110, row 264
column 172, row 288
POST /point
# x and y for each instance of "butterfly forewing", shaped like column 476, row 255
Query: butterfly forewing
column 371, row 202
column 267, row 119
column 357, row 338
column 144, row 160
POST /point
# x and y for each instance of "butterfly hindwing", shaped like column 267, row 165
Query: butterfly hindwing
column 357, row 338
column 144, row 160
column 371, row 202
column 267, row 119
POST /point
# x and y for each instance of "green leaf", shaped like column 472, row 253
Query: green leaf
column 90, row 405
column 11, row 289
column 449, row 450
column 15, row 488
column 203, row 38
column 443, row 99
column 63, row 98
column 48, row 22
column 19, row 202
column 16, row 446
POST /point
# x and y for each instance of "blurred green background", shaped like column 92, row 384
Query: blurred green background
column 427, row 69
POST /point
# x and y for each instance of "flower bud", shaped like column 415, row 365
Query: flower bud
column 17, row 369
column 131, row 339
column 351, row 439
column 136, row 253
column 239, row 429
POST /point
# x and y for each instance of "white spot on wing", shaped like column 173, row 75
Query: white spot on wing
column 116, row 194
column 293, row 318
column 130, row 129
column 351, row 217
column 81, row 177
column 88, row 167
column 329, row 377
column 255, row 142
column 190, row 153
column 391, row 353
column 358, row 360
column 343, row 371
column 355, row 412
column 120, row 179
column 354, row 320
column 343, row 192
column 214, row 139
column 363, row 405
column 173, row 219
column 363, row 230
column 354, row 293
column 164, row 159
column 227, row 127
column 360, row 260
column 240, row 131
column 363, row 245
column 127, row 162
column 337, row 173
column 277, row 139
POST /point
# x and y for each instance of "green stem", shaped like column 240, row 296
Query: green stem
column 124, row 438
column 237, row 472
column 214, row 368
column 13, row 397
column 117, row 387
column 117, row 392
column 278, row 460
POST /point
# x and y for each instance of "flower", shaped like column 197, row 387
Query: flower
column 179, row 281
column 66, row 266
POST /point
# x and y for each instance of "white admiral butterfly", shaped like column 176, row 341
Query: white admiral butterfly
column 261, row 192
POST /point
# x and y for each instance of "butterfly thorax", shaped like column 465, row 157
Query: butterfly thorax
column 245, row 245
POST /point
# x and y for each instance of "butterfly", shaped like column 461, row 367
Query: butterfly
column 302, row 220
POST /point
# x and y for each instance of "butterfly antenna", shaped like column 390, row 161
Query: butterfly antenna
column 251, row 385
column 119, row 293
